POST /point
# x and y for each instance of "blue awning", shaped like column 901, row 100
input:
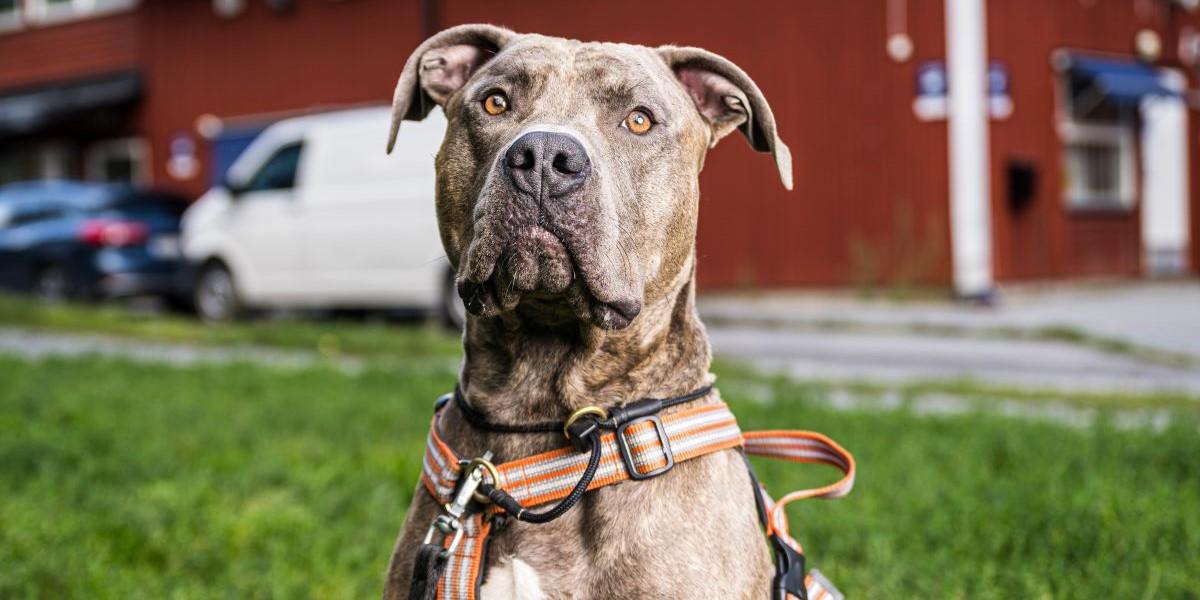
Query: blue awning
column 1124, row 82
column 75, row 103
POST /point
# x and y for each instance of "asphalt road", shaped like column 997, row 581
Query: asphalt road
column 905, row 358
column 838, row 337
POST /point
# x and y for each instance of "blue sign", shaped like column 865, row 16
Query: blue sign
column 932, row 81
column 998, row 81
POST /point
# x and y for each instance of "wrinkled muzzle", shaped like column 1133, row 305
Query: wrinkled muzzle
column 546, row 235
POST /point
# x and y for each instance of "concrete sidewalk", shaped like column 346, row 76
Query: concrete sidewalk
column 839, row 337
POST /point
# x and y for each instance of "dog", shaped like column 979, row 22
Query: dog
column 567, row 201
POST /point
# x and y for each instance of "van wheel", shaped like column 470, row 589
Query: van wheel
column 216, row 297
column 454, row 314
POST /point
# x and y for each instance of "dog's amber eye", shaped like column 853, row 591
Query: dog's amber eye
column 638, row 122
column 495, row 104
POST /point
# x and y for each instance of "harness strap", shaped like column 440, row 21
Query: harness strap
column 644, row 446
column 550, row 476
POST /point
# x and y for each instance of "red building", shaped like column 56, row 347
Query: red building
column 1060, row 158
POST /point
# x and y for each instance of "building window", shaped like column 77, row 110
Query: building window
column 50, row 160
column 10, row 15
column 119, row 161
column 57, row 11
column 1099, row 147
column 1099, row 166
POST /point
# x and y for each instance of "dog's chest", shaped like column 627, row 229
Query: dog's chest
column 512, row 579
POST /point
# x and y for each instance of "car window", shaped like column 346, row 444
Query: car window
column 32, row 215
column 279, row 172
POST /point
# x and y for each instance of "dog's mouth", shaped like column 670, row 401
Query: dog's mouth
column 537, row 273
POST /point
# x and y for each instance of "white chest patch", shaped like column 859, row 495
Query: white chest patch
column 511, row 579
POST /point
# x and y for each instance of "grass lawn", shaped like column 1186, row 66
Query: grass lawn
column 122, row 480
column 377, row 341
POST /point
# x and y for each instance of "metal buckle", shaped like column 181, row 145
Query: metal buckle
column 450, row 521
column 627, row 454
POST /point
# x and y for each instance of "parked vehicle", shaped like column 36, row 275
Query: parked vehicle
column 71, row 240
column 314, row 214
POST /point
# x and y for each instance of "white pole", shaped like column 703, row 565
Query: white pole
column 970, row 201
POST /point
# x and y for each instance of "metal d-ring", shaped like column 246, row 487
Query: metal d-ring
column 594, row 411
column 491, row 470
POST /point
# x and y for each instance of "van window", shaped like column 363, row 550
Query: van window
column 279, row 172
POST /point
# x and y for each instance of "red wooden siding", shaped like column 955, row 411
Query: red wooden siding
column 871, row 188
column 320, row 54
column 69, row 50
column 871, row 200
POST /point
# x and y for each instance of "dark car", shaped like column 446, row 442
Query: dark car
column 73, row 240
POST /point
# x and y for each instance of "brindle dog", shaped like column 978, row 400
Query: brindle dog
column 567, row 198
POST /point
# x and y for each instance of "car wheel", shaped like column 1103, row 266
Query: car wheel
column 51, row 284
column 216, row 297
column 454, row 314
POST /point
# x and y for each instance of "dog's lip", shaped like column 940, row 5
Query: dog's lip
column 480, row 294
column 618, row 314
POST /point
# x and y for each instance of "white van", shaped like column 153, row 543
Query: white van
column 314, row 214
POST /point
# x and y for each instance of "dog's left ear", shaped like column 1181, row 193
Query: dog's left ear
column 439, row 67
column 728, row 99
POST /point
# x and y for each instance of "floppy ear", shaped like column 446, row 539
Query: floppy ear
column 727, row 99
column 439, row 67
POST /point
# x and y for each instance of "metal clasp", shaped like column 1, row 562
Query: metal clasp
column 445, row 524
column 450, row 521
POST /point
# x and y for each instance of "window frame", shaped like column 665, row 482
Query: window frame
column 1120, row 136
column 1074, row 130
column 12, row 19
column 136, row 148
column 44, row 12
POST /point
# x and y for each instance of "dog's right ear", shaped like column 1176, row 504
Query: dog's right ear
column 439, row 67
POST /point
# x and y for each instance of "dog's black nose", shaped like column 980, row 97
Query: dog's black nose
column 547, row 164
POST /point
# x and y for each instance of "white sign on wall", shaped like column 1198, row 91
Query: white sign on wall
column 933, row 87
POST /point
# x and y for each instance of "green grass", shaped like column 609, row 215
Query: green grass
column 120, row 480
column 329, row 338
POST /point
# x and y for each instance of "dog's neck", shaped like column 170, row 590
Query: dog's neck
column 517, row 373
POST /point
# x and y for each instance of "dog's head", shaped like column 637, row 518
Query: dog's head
column 567, row 185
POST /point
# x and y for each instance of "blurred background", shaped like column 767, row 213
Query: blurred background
column 228, row 309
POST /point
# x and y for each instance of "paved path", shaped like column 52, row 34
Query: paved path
column 1162, row 315
column 898, row 358
column 883, row 341
column 790, row 332
column 42, row 344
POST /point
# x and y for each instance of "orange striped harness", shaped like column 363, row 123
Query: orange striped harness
column 645, row 446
